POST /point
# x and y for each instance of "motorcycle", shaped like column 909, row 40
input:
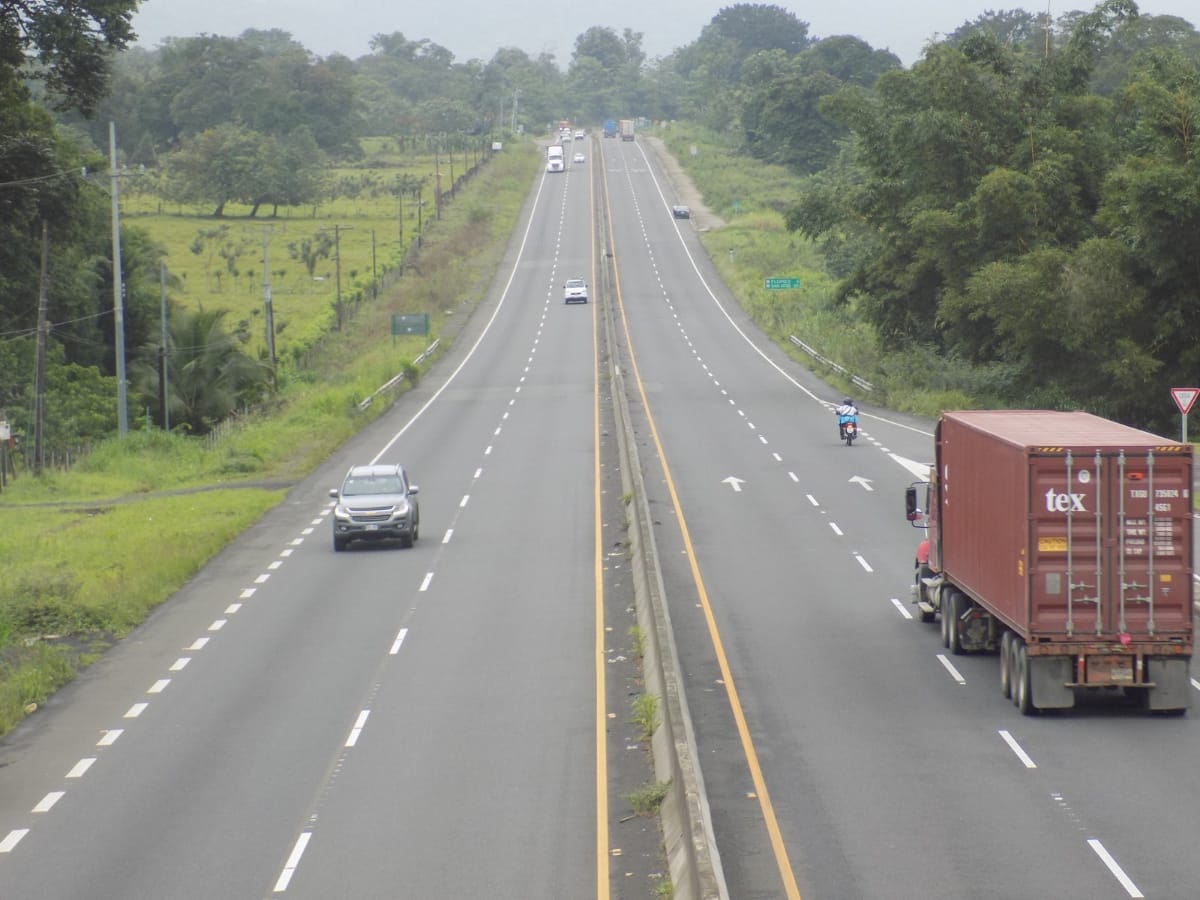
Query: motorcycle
column 849, row 431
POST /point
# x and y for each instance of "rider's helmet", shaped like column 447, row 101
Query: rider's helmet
column 847, row 402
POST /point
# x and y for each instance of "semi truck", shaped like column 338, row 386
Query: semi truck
column 627, row 126
column 610, row 128
column 1062, row 541
column 554, row 158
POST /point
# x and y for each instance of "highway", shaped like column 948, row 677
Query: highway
column 453, row 720
column 844, row 753
column 378, row 723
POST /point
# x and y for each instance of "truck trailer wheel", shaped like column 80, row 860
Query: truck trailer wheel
column 958, row 608
column 1021, row 694
column 1006, row 664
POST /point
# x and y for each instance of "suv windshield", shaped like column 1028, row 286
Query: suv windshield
column 373, row 484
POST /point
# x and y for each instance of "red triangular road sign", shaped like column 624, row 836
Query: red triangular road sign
column 1184, row 398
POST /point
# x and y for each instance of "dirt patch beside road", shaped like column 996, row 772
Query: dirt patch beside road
column 685, row 190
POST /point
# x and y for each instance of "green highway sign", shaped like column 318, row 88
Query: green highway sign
column 410, row 324
column 782, row 284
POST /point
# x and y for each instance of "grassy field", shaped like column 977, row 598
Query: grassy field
column 88, row 553
column 217, row 263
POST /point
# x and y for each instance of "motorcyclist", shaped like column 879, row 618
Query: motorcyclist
column 846, row 411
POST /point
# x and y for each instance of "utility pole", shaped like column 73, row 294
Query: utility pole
column 118, row 286
column 437, row 181
column 164, row 393
column 516, row 98
column 39, row 403
column 268, row 311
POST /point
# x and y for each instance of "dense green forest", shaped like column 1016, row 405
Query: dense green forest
column 1024, row 201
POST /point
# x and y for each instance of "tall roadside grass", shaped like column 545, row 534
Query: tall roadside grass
column 86, row 554
column 754, row 245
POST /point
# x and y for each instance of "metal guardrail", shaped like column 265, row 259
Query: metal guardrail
column 841, row 370
column 392, row 382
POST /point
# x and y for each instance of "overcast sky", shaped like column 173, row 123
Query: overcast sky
column 477, row 28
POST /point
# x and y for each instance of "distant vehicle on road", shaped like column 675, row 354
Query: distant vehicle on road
column 627, row 127
column 554, row 158
column 579, row 157
column 680, row 211
column 610, row 128
column 579, row 135
column 375, row 503
column 575, row 291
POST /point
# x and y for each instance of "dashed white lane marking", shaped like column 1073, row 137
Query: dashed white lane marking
column 286, row 552
column 1016, row 748
column 218, row 624
column 425, row 582
column 136, row 710
column 275, row 564
column 487, row 450
column 296, row 542
column 180, row 664
column 1196, row 684
column 449, row 533
column 197, row 644
column 293, row 860
column 399, row 640
column 247, row 593
column 954, row 673
column 463, row 502
column 110, row 737
column 159, row 686
column 12, row 839
column 232, row 608
column 81, row 767
column 1126, row 882
column 358, row 727
column 794, row 477
column 812, row 499
column 836, row 530
column 261, row 578
column 762, row 438
column 862, row 562
column 900, row 606
column 478, row 472
column 47, row 803
column 778, row 458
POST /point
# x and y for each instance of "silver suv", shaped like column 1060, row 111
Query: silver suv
column 375, row 503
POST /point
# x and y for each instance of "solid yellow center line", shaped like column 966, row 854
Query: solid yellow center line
column 791, row 889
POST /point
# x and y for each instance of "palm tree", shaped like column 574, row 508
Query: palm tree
column 208, row 376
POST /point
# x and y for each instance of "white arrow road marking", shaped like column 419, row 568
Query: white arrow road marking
column 734, row 482
column 865, row 482
column 919, row 469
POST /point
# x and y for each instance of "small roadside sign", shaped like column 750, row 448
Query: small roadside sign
column 1184, row 398
column 781, row 284
column 410, row 324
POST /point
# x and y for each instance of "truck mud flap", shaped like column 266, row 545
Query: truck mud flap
column 1049, row 678
column 1172, row 684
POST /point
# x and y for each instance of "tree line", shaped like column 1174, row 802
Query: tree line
column 1021, row 201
